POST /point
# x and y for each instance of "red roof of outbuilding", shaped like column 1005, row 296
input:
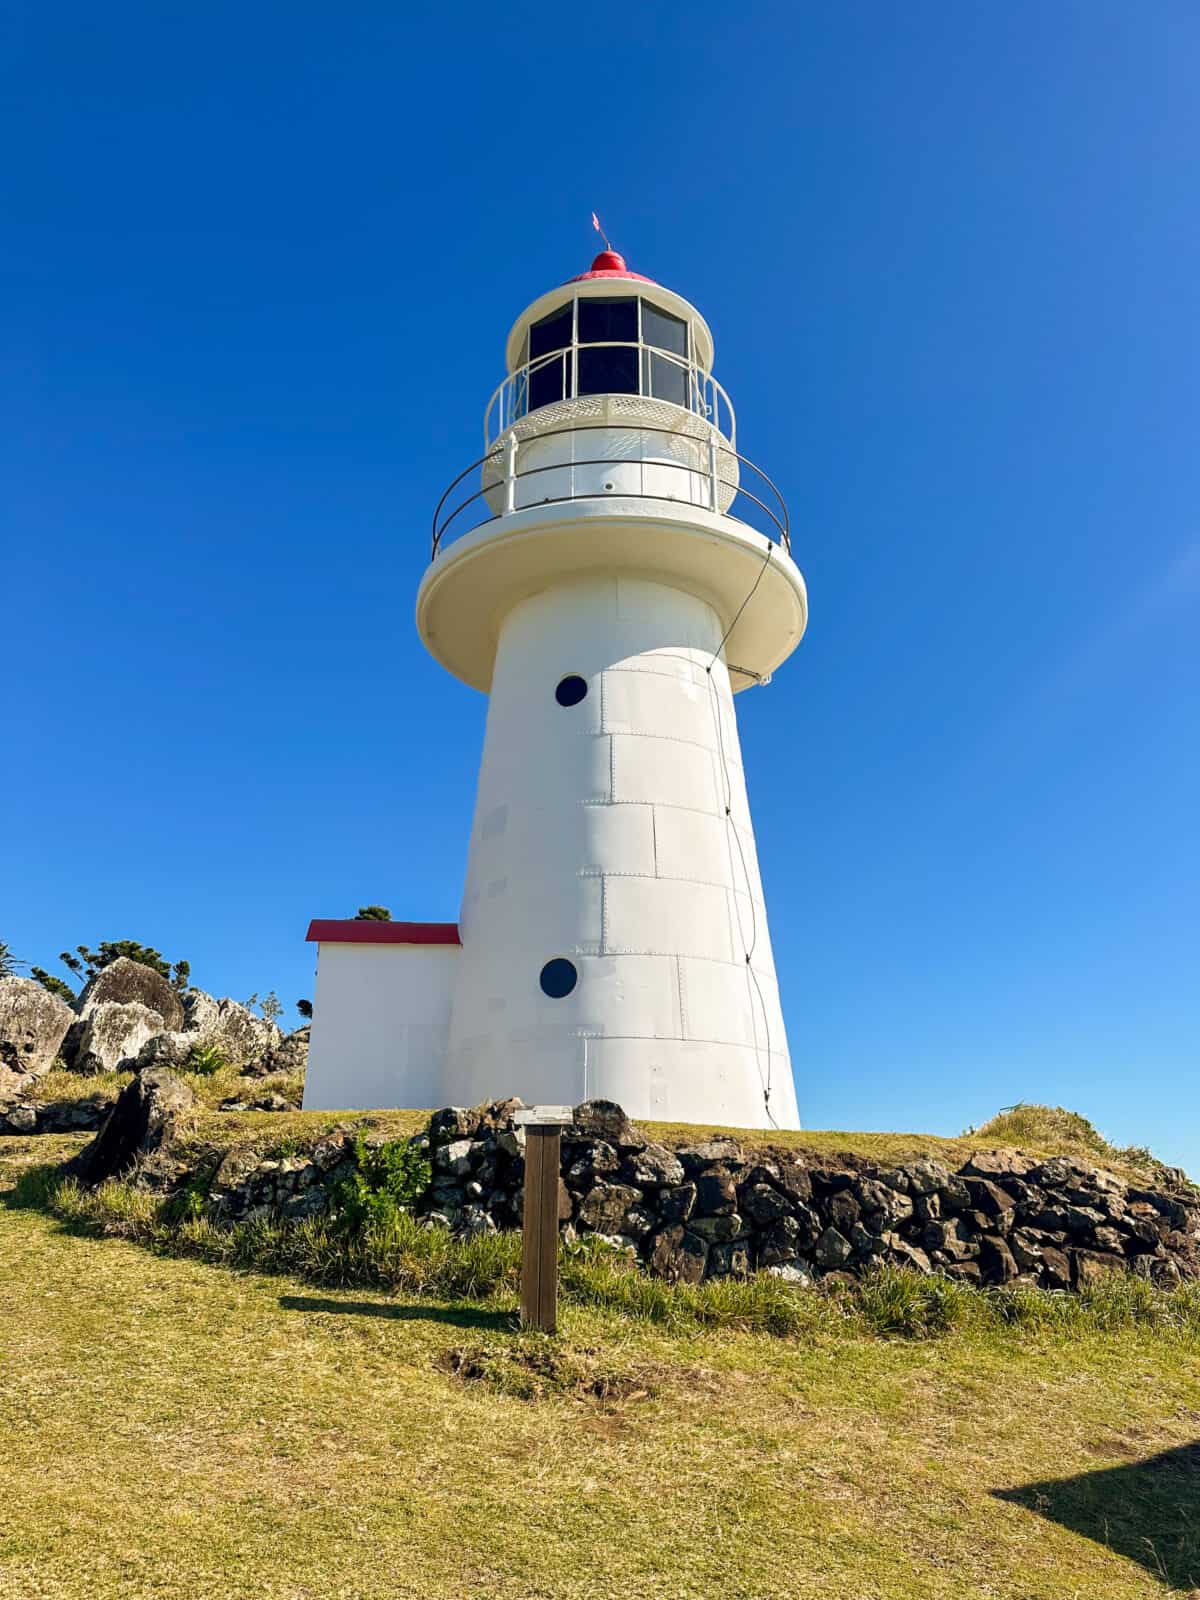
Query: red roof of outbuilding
column 608, row 264
column 349, row 930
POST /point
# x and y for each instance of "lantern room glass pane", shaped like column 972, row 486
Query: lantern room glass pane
column 663, row 331
column 547, row 367
column 664, row 379
column 608, row 322
column 605, row 369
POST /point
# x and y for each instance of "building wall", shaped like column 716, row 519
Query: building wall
column 617, row 833
column 380, row 1020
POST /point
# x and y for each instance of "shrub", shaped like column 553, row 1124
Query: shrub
column 386, row 1181
column 205, row 1059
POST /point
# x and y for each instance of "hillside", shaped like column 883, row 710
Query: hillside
column 241, row 1434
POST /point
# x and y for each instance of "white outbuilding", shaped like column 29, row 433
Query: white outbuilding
column 610, row 572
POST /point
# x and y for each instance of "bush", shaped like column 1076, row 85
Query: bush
column 205, row 1059
column 386, row 1181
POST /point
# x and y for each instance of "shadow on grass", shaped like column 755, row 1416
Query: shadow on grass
column 459, row 1316
column 1148, row 1511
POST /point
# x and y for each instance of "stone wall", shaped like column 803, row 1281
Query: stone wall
column 712, row 1209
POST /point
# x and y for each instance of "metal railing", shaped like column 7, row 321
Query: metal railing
column 709, row 487
column 558, row 372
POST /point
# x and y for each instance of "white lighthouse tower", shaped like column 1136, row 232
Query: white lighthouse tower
column 611, row 573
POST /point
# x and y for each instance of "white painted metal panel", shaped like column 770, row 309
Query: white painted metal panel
column 381, row 1015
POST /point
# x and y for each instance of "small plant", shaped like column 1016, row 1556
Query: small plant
column 205, row 1059
column 386, row 1181
column 304, row 1007
column 373, row 914
column 9, row 964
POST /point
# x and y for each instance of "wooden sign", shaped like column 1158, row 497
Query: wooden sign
column 539, row 1246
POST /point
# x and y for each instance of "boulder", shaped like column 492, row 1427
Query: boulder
column 1092, row 1265
column 289, row 1055
column 832, row 1249
column 927, row 1177
column 125, row 982
column 716, row 1191
column 708, row 1152
column 678, row 1256
column 235, row 1033
column 111, row 1035
column 19, row 1118
column 141, row 1121
column 677, row 1203
column 996, row 1260
column 655, row 1167
column 604, row 1119
column 603, row 1209
column 998, row 1165
column 33, row 1024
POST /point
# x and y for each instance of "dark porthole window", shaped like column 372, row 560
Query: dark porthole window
column 558, row 978
column 571, row 690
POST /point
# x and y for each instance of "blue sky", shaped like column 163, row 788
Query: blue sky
column 258, row 267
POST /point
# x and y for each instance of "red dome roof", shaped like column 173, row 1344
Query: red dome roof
column 608, row 264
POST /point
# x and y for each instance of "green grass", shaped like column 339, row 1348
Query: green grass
column 172, row 1428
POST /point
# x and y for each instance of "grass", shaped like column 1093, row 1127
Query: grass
column 169, row 1427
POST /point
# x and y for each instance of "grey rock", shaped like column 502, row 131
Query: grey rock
column 783, row 1241
column 764, row 1203
column 677, row 1204
column 1091, row 1265
column 604, row 1119
column 832, row 1249
column 902, row 1253
column 590, row 1160
column 111, row 1034
column 33, row 1025
column 708, row 1152
column 454, row 1159
column 795, row 1271
column 289, row 1055
column 604, row 1207
column 954, row 1195
column 127, row 982
column 843, row 1211
column 989, row 1197
column 998, row 1165
column 222, row 1025
column 996, row 1260
column 716, row 1191
column 730, row 1260
column 1108, row 1239
column 454, row 1122
column 141, row 1121
column 1056, row 1268
column 1082, row 1219
column 927, row 1177
column 20, row 1118
column 655, row 1167
column 719, row 1229
column 678, row 1255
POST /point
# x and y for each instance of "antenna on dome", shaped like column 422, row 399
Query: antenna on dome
column 600, row 231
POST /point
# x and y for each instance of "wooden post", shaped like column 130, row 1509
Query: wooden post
column 539, row 1246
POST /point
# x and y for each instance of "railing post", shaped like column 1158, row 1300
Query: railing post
column 510, row 474
column 713, row 478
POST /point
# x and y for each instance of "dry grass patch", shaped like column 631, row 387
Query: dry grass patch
column 169, row 1428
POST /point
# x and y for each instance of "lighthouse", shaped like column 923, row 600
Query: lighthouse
column 611, row 572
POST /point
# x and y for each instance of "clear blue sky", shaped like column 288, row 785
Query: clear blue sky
column 258, row 265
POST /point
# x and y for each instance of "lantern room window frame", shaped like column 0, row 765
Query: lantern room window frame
column 643, row 366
